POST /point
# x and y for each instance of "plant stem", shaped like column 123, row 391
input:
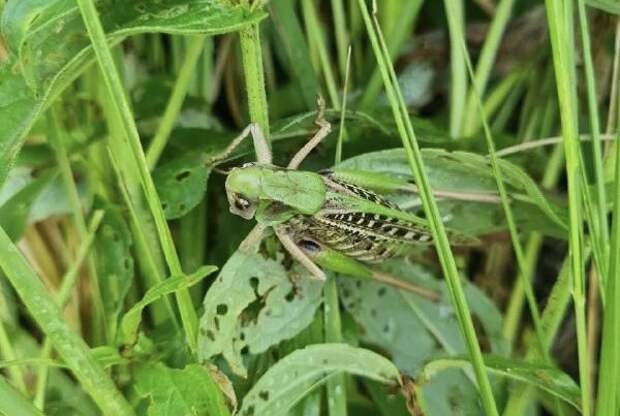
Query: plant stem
column 66, row 341
column 442, row 244
column 194, row 48
column 458, row 72
column 336, row 385
column 123, row 116
column 563, row 48
column 254, row 77
column 68, row 284
column 56, row 137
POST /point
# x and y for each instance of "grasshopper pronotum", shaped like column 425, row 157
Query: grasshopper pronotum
column 329, row 218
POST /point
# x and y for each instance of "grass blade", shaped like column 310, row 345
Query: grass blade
column 67, row 342
column 430, row 207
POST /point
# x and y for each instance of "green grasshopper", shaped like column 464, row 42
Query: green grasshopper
column 330, row 218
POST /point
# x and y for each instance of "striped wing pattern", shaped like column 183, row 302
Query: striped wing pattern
column 366, row 237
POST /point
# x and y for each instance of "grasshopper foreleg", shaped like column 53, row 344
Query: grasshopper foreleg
column 298, row 253
column 263, row 153
column 324, row 129
column 251, row 242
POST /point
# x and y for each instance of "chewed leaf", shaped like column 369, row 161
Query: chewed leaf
column 550, row 379
column 131, row 320
column 181, row 184
column 253, row 304
column 187, row 391
column 47, row 41
column 389, row 316
column 115, row 264
column 289, row 380
column 288, row 309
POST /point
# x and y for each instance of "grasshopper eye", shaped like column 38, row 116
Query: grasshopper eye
column 309, row 245
column 241, row 203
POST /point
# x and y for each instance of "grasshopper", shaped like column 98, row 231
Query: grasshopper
column 330, row 218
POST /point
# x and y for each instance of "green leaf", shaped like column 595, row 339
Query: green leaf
column 253, row 305
column 449, row 393
column 13, row 403
column 115, row 264
column 550, row 379
column 469, row 175
column 187, row 391
column 48, row 42
column 15, row 212
column 293, row 377
column 181, row 184
column 389, row 316
column 131, row 320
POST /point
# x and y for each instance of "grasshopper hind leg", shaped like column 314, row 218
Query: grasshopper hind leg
column 298, row 254
column 324, row 129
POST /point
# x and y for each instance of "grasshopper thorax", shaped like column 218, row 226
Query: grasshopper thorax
column 251, row 184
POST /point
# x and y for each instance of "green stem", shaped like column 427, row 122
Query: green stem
column 8, row 354
column 315, row 35
column 194, row 48
column 512, row 227
column 66, row 341
column 57, row 137
column 601, row 232
column 431, row 209
column 64, row 294
column 254, row 77
column 563, row 48
column 341, row 35
column 458, row 72
column 485, row 62
column 336, row 386
column 123, row 116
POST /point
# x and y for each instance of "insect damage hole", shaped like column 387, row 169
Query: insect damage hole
column 181, row 176
column 221, row 309
column 264, row 395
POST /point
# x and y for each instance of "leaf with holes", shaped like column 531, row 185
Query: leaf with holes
column 49, row 48
column 253, row 305
column 294, row 376
column 171, row 391
column 389, row 316
column 115, row 265
column 181, row 184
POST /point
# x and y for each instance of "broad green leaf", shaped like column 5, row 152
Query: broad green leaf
column 294, row 376
column 15, row 212
column 253, row 305
column 469, row 175
column 388, row 317
column 449, row 393
column 550, row 379
column 13, row 403
column 131, row 320
column 181, row 184
column 48, row 42
column 171, row 391
column 115, row 264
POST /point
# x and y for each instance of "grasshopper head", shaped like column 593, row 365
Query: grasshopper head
column 243, row 190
